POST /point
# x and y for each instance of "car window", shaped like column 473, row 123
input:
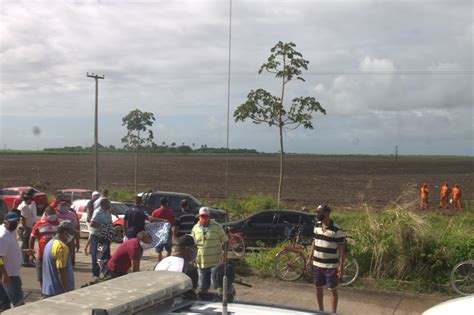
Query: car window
column 193, row 202
column 265, row 217
column 174, row 203
column 119, row 208
column 10, row 192
column 87, row 195
column 154, row 201
column 67, row 194
column 292, row 218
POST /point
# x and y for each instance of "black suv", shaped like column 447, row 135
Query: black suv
column 151, row 201
column 272, row 226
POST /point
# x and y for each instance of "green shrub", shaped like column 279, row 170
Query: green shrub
column 242, row 207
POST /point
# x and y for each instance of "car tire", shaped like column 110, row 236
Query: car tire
column 118, row 234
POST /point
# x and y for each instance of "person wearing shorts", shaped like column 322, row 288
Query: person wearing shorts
column 327, row 259
column 164, row 214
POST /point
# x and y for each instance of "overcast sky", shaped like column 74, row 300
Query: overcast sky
column 387, row 72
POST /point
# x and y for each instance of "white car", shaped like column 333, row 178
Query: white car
column 460, row 306
column 118, row 208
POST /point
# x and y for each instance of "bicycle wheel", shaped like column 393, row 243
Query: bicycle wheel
column 237, row 245
column 351, row 271
column 462, row 277
column 289, row 265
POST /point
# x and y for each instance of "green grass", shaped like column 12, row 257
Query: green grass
column 397, row 249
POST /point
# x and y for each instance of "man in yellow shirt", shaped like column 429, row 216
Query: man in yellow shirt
column 58, row 274
column 209, row 237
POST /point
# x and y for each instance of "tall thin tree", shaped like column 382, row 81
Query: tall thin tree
column 284, row 63
column 139, row 134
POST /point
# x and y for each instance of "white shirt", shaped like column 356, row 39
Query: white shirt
column 29, row 212
column 97, row 202
column 10, row 251
column 171, row 263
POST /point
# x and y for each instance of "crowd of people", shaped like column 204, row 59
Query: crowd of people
column 57, row 233
column 197, row 253
column 448, row 196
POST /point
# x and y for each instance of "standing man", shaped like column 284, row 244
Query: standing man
column 90, row 205
column 164, row 214
column 43, row 231
column 28, row 218
column 10, row 264
column 444, row 196
column 134, row 220
column 209, row 237
column 327, row 259
column 100, row 232
column 185, row 220
column 65, row 213
column 128, row 255
column 58, row 274
column 105, row 194
column 456, row 195
column 424, row 197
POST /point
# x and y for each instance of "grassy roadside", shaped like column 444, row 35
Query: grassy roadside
column 397, row 249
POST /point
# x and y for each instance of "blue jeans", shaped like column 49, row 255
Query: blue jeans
column 205, row 279
column 93, row 251
column 13, row 293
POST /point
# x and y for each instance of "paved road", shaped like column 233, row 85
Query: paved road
column 351, row 301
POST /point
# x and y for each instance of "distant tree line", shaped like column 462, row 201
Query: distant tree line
column 153, row 148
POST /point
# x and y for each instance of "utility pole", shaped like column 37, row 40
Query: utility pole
column 96, row 127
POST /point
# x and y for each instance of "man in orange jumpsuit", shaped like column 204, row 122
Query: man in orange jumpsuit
column 456, row 195
column 444, row 194
column 425, row 191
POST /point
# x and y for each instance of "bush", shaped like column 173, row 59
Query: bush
column 242, row 207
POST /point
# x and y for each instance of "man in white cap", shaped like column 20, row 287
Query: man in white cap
column 90, row 205
column 209, row 237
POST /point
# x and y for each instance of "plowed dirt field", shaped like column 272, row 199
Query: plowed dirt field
column 309, row 180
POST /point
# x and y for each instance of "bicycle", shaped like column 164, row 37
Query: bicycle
column 290, row 262
column 462, row 277
column 236, row 243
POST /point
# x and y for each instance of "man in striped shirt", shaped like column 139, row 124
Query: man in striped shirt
column 209, row 237
column 327, row 259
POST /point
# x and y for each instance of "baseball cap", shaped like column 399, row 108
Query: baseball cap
column 12, row 216
column 204, row 211
column 96, row 193
column 66, row 225
column 185, row 240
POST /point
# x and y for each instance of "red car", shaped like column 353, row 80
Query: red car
column 74, row 194
column 12, row 197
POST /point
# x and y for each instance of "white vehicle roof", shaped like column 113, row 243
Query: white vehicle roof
column 460, row 306
column 124, row 295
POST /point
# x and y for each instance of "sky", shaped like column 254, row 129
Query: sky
column 389, row 73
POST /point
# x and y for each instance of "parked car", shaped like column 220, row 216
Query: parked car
column 271, row 226
column 74, row 194
column 151, row 200
column 12, row 197
column 119, row 208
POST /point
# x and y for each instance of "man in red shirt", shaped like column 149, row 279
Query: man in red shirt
column 164, row 214
column 128, row 254
column 44, row 230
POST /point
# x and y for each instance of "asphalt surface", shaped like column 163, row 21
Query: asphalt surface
column 295, row 294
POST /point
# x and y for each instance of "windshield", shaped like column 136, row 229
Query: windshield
column 119, row 208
